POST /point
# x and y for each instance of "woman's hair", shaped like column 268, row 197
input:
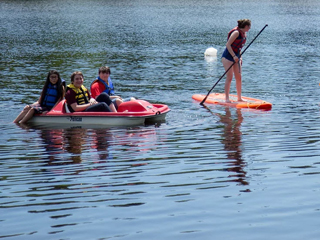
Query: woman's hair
column 244, row 22
column 59, row 84
column 104, row 69
column 74, row 74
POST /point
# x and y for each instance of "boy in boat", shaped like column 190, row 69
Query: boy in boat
column 104, row 84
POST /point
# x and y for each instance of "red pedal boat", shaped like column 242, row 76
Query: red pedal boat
column 138, row 112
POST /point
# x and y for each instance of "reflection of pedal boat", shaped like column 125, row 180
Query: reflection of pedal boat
column 130, row 113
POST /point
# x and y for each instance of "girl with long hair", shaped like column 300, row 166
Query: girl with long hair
column 52, row 93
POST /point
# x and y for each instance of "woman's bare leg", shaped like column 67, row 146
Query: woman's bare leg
column 226, row 64
column 22, row 114
column 237, row 75
column 28, row 116
column 118, row 102
column 112, row 107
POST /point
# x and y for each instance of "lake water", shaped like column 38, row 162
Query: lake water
column 216, row 173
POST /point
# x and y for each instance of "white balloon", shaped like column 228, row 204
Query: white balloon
column 210, row 52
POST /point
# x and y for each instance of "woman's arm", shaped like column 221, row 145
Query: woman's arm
column 114, row 97
column 80, row 108
column 63, row 92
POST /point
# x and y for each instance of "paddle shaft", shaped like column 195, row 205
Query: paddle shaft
column 232, row 65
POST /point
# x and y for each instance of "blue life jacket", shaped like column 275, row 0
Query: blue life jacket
column 51, row 96
column 109, row 86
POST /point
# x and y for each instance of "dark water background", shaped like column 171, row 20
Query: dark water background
column 218, row 174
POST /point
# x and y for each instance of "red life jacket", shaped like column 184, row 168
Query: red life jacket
column 239, row 42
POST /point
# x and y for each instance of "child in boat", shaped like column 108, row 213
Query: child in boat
column 52, row 94
column 78, row 97
column 103, row 83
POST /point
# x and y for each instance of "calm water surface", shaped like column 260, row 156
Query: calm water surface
column 215, row 173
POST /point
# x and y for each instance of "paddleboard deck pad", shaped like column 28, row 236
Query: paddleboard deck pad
column 220, row 99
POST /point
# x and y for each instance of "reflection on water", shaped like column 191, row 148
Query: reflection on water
column 74, row 140
column 102, row 140
column 231, row 138
column 53, row 141
column 67, row 146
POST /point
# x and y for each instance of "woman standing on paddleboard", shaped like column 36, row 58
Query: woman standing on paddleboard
column 231, row 55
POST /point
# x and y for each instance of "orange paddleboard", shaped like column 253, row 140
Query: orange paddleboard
column 219, row 98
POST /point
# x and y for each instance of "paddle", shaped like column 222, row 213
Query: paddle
column 232, row 65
